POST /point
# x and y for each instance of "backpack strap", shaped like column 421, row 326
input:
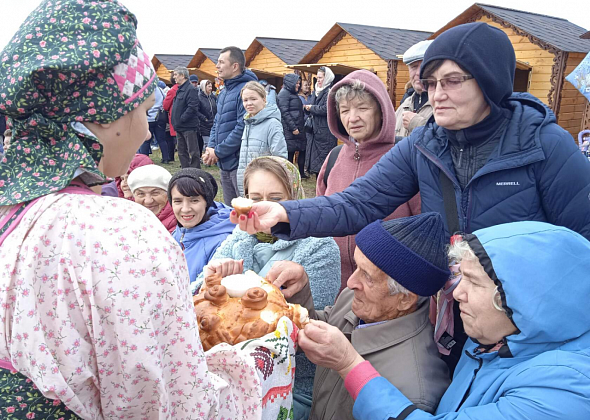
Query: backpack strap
column 450, row 203
column 331, row 161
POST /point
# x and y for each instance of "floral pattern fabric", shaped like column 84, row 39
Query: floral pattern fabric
column 96, row 311
column 19, row 400
column 70, row 61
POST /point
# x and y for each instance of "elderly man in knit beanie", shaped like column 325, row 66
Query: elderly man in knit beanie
column 383, row 312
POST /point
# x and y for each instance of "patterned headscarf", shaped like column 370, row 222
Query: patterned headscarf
column 297, row 191
column 71, row 61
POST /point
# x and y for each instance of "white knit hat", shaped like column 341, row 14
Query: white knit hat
column 416, row 52
column 149, row 176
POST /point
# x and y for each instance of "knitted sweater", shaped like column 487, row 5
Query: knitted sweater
column 319, row 257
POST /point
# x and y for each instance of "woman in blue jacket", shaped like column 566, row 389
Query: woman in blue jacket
column 203, row 224
column 489, row 157
column 275, row 179
column 523, row 300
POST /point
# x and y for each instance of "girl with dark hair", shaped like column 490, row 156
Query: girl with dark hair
column 203, row 224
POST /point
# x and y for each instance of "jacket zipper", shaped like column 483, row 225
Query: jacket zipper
column 181, row 240
column 357, row 158
column 475, row 372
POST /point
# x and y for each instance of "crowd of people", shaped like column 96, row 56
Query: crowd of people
column 442, row 261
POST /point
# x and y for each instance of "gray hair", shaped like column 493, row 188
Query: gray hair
column 351, row 91
column 395, row 287
column 460, row 250
column 182, row 70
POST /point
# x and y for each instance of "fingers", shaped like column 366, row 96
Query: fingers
column 231, row 267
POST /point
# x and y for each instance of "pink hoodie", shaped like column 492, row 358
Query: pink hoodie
column 347, row 169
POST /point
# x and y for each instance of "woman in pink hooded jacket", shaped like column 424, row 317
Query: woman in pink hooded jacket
column 362, row 117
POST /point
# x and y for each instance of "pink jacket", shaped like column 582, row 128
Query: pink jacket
column 347, row 168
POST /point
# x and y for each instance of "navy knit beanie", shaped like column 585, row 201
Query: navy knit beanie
column 411, row 250
column 482, row 50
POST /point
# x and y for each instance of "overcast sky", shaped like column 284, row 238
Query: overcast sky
column 182, row 27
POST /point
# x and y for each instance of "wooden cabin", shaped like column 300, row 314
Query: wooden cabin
column 164, row 64
column 348, row 47
column 268, row 57
column 547, row 49
column 205, row 60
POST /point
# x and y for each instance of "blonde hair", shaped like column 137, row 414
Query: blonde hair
column 273, row 167
column 256, row 87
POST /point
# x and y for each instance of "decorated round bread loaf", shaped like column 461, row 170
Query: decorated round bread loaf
column 241, row 307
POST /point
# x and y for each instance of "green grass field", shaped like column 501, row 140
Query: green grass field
column 156, row 156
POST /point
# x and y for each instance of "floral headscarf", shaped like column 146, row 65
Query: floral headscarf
column 71, row 61
column 297, row 191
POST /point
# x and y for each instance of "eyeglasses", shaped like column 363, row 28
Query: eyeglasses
column 447, row 83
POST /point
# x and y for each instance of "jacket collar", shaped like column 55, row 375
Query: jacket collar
column 381, row 336
column 519, row 145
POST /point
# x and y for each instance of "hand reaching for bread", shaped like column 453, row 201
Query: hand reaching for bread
column 261, row 218
column 289, row 275
column 223, row 267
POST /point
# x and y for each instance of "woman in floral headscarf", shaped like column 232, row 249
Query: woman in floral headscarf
column 273, row 178
column 95, row 316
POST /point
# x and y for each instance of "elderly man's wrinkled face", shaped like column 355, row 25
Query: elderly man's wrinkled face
column 361, row 117
column 179, row 78
column 372, row 301
column 414, row 69
column 154, row 199
column 475, row 294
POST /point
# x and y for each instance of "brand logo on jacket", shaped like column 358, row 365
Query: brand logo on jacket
column 507, row 183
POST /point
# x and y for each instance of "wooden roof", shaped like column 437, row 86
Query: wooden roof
column 336, row 68
column 202, row 54
column 288, row 50
column 552, row 31
column 171, row 61
column 387, row 43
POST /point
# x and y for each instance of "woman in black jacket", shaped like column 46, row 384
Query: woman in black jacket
column 323, row 140
column 293, row 121
column 207, row 109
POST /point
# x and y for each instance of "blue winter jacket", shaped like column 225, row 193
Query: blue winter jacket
column 226, row 133
column 200, row 242
column 543, row 370
column 535, row 173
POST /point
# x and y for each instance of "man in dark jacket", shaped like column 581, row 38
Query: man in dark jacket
column 516, row 164
column 185, row 120
column 226, row 134
column 292, row 118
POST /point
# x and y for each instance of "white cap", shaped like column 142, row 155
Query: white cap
column 416, row 52
column 153, row 176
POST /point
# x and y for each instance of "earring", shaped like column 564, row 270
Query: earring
column 118, row 134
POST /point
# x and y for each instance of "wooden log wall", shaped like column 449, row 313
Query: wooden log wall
column 351, row 52
column 267, row 61
column 573, row 103
column 539, row 59
column 208, row 66
column 163, row 73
